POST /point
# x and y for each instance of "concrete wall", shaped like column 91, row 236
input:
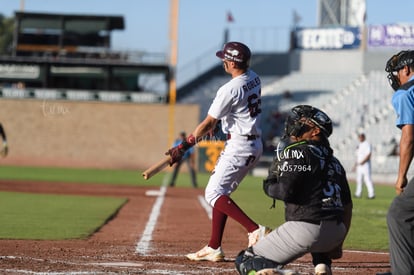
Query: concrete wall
column 271, row 64
column 376, row 60
column 346, row 61
column 90, row 134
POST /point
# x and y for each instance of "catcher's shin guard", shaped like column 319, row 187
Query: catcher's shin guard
column 246, row 262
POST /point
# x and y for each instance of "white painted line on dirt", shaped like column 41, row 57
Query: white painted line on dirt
column 22, row 271
column 144, row 243
column 152, row 193
column 206, row 206
column 367, row 252
column 119, row 264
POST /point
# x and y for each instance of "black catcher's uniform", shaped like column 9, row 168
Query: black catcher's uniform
column 311, row 182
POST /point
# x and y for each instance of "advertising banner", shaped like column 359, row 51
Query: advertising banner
column 17, row 71
column 391, row 36
column 327, row 38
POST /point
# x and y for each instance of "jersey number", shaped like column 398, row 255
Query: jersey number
column 254, row 105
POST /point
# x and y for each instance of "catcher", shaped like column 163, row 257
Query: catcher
column 318, row 204
column 5, row 149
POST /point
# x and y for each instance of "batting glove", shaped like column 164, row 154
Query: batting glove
column 178, row 152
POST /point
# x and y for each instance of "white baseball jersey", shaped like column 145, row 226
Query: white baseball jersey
column 363, row 150
column 237, row 104
column 363, row 171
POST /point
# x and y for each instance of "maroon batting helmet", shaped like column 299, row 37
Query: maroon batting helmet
column 236, row 52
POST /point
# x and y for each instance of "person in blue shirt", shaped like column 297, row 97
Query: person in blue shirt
column 5, row 148
column 400, row 217
column 189, row 158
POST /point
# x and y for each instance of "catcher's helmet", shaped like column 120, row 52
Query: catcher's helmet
column 294, row 126
column 396, row 63
column 236, row 52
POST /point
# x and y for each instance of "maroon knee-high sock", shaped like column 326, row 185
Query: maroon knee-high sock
column 217, row 228
column 227, row 206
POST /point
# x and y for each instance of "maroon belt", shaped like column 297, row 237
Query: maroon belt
column 248, row 137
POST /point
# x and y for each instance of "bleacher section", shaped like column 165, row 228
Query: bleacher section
column 365, row 107
column 297, row 88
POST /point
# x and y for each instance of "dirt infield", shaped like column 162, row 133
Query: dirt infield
column 149, row 235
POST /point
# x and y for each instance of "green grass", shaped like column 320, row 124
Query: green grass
column 369, row 227
column 53, row 217
column 125, row 177
column 368, row 230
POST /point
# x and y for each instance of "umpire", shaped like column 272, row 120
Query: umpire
column 318, row 204
column 189, row 158
column 400, row 217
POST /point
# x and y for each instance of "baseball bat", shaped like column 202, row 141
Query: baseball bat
column 154, row 169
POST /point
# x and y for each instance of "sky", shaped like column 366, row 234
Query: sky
column 261, row 24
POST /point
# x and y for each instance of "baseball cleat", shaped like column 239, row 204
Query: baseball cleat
column 207, row 254
column 276, row 271
column 322, row 269
column 258, row 234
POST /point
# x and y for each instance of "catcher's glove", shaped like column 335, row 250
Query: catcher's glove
column 5, row 150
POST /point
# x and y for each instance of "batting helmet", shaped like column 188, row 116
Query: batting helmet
column 396, row 63
column 236, row 52
column 294, row 126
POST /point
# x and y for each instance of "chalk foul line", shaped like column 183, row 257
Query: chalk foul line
column 143, row 245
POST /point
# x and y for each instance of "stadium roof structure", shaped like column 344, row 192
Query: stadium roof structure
column 69, row 22
column 62, row 52
column 39, row 33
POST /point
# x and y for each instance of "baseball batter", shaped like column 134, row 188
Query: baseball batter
column 237, row 105
column 318, row 204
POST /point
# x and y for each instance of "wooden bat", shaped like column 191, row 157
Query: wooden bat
column 154, row 169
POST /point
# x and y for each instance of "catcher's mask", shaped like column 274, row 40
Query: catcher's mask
column 396, row 63
column 296, row 126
